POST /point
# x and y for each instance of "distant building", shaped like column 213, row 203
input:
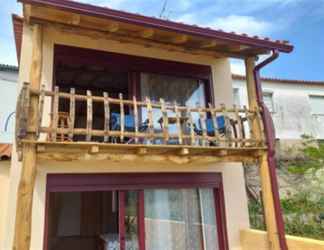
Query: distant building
column 297, row 106
column 8, row 96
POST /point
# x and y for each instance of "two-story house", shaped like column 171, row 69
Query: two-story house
column 127, row 136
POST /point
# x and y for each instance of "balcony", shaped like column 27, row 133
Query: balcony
column 121, row 127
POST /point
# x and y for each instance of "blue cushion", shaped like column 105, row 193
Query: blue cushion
column 115, row 122
column 129, row 122
column 220, row 120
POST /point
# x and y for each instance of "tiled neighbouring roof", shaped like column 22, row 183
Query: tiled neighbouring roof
column 280, row 80
column 5, row 151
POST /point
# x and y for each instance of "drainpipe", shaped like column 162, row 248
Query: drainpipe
column 270, row 138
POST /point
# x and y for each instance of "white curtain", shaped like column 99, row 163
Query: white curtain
column 180, row 219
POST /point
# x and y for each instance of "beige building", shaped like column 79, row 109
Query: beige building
column 127, row 137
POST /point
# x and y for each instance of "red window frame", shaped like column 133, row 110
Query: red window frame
column 139, row 182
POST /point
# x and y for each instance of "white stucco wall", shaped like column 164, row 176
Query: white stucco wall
column 292, row 114
column 8, row 97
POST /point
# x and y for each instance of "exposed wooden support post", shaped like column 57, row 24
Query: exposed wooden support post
column 250, row 84
column 22, row 234
column 257, row 133
column 25, row 199
column 268, row 204
column 252, row 98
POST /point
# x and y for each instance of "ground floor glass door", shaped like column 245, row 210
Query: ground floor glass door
column 177, row 219
column 151, row 218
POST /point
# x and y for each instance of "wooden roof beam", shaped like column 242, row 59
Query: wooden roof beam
column 208, row 44
column 238, row 48
column 75, row 19
column 146, row 33
column 180, row 39
column 27, row 12
column 112, row 27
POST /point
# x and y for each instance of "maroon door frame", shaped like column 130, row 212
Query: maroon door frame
column 140, row 219
column 138, row 182
column 121, row 220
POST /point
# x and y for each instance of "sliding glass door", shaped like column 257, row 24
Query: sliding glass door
column 137, row 212
column 180, row 219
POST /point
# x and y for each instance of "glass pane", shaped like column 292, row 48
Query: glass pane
column 83, row 220
column 267, row 98
column 208, row 217
column 180, row 219
column 317, row 104
column 236, row 97
column 131, row 220
column 180, row 90
column 184, row 91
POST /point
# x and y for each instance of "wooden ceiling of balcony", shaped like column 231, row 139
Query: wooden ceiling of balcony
column 132, row 33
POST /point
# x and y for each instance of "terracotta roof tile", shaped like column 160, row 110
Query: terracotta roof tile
column 281, row 80
column 17, row 22
column 5, row 151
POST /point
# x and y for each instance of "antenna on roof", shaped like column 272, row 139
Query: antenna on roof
column 163, row 8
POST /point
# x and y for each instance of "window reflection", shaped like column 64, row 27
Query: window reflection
column 173, row 90
column 180, row 219
column 184, row 91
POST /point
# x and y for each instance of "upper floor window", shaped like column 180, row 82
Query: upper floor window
column 268, row 101
column 236, row 97
column 183, row 91
column 317, row 104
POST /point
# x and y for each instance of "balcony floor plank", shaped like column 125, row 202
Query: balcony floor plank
column 70, row 151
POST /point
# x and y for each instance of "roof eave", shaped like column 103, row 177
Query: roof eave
column 101, row 12
column 17, row 23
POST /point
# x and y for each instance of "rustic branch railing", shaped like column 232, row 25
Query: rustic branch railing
column 151, row 121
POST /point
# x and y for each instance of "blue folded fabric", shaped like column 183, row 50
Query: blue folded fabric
column 128, row 120
column 220, row 121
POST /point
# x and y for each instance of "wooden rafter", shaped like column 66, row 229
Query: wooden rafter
column 180, row 39
column 92, row 26
column 208, row 44
column 112, row 27
column 147, row 33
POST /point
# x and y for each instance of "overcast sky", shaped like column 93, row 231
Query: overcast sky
column 299, row 21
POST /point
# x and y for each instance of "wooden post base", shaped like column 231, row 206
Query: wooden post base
column 268, row 204
column 25, row 199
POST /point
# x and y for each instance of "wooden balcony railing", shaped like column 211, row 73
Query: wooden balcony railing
column 144, row 122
